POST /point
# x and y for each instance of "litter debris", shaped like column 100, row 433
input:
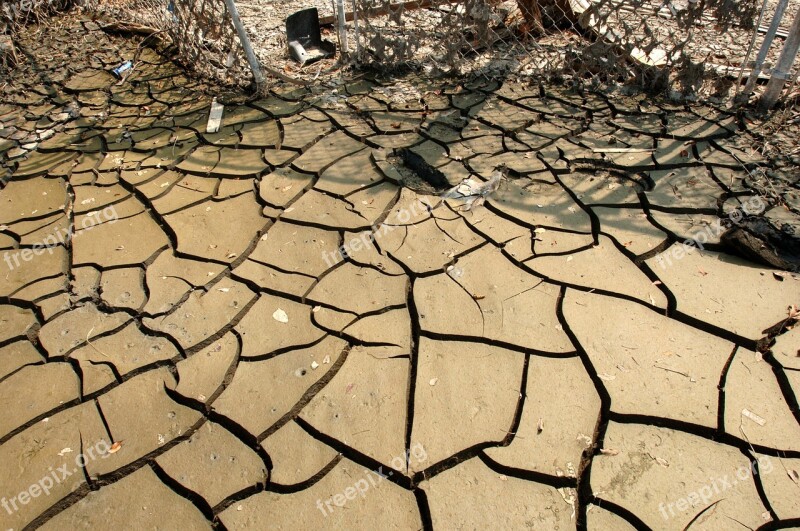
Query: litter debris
column 214, row 117
column 314, row 365
column 434, row 381
column 305, row 42
column 65, row 451
column 121, row 69
column 660, row 460
column 540, row 425
column 567, row 494
column 609, row 451
column 280, row 316
column 117, row 446
column 474, row 192
column 752, row 416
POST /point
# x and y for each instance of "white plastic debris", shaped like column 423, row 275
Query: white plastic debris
column 280, row 316
column 214, row 117
column 752, row 416
column 474, row 192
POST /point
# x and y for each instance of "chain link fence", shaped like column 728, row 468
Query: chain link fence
column 689, row 48
column 693, row 48
column 200, row 31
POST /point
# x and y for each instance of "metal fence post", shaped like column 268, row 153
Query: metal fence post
column 255, row 66
column 781, row 71
column 762, row 52
column 341, row 16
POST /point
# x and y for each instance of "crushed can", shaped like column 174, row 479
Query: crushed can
column 121, row 69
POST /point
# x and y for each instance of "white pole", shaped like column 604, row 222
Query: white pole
column 341, row 16
column 762, row 53
column 785, row 62
column 255, row 67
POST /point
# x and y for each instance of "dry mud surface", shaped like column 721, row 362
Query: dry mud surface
column 182, row 346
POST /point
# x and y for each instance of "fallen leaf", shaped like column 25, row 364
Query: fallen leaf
column 779, row 275
column 794, row 475
column 540, row 425
column 699, row 270
column 224, row 290
column 396, row 125
column 434, row 381
column 116, row 447
column 793, row 312
column 609, row 451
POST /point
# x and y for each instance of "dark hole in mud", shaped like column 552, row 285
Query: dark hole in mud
column 418, row 174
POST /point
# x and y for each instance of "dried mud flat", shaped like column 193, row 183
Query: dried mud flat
column 189, row 351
